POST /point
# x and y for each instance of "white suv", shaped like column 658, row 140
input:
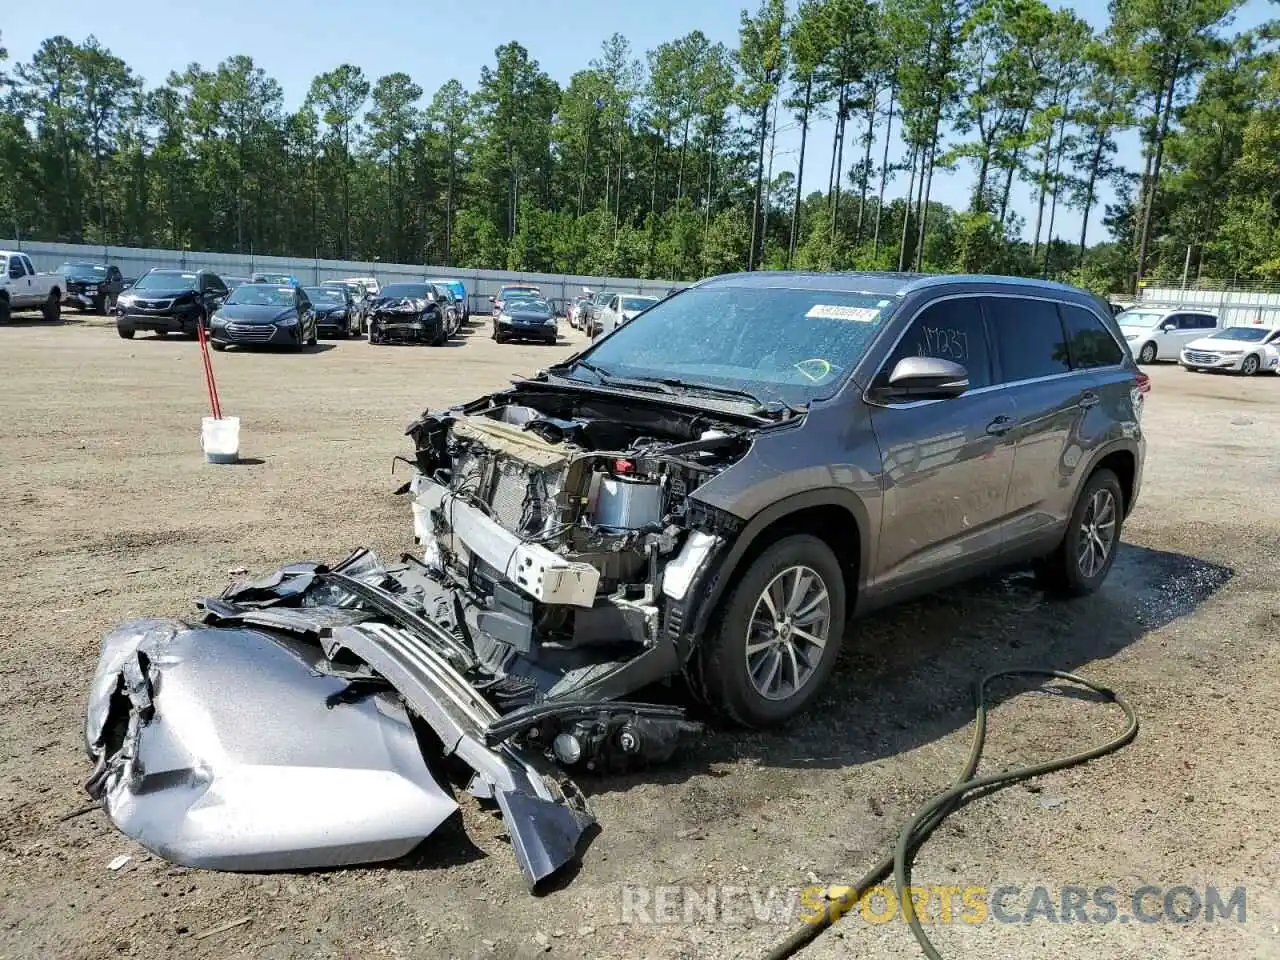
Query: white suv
column 1157, row 333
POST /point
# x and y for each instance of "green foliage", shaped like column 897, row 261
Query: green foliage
column 664, row 164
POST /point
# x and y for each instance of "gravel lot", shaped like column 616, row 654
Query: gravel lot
column 110, row 513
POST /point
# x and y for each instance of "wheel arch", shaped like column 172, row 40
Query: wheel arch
column 834, row 515
column 1123, row 462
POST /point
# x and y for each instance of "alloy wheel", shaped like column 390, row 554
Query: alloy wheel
column 787, row 633
column 1097, row 534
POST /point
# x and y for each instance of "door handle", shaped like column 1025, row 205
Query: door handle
column 1089, row 399
column 1000, row 426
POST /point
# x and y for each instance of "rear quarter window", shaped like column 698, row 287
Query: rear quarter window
column 1089, row 343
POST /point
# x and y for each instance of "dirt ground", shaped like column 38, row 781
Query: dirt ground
column 109, row 513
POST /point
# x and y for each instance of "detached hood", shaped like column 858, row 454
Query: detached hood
column 252, row 313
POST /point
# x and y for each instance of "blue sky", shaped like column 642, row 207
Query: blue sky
column 434, row 42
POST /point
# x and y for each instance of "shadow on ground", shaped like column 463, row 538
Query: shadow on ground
column 905, row 676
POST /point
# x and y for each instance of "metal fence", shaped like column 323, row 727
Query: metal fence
column 1235, row 307
column 480, row 284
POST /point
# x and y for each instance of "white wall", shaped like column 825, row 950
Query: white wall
column 1235, row 307
column 480, row 284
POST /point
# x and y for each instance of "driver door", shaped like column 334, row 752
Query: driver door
column 946, row 464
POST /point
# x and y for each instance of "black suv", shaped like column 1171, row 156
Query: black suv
column 91, row 286
column 169, row 301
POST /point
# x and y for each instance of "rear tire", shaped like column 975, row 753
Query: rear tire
column 1148, row 353
column 761, row 666
column 1075, row 568
column 53, row 307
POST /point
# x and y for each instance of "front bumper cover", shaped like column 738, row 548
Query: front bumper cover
column 272, row 736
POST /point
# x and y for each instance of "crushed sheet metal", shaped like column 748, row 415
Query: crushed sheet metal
column 545, row 817
column 215, row 748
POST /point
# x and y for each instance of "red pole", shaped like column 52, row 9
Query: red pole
column 214, row 405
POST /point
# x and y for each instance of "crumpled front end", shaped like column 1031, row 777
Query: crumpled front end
column 277, row 733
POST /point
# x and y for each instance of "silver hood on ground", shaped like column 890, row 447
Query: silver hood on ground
column 239, row 749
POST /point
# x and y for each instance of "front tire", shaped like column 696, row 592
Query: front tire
column 779, row 635
column 1082, row 561
column 217, row 345
column 125, row 332
column 1148, row 353
column 1250, row 366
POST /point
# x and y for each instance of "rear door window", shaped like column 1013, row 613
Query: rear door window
column 1089, row 343
column 947, row 330
column 1028, row 337
column 1207, row 322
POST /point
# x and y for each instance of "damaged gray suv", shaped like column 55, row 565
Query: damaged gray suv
column 718, row 486
column 711, row 492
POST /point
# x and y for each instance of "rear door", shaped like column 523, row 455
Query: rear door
column 1191, row 326
column 1051, row 402
column 946, row 463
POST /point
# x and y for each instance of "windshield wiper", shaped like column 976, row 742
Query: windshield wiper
column 608, row 379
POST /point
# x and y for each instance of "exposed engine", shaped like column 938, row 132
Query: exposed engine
column 552, row 520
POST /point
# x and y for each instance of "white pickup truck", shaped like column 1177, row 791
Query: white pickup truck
column 22, row 288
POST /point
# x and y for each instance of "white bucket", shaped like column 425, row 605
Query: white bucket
column 220, row 439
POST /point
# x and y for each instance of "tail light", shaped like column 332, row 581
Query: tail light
column 1144, row 383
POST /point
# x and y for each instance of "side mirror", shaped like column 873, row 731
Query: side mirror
column 1168, row 327
column 492, row 299
column 924, row 378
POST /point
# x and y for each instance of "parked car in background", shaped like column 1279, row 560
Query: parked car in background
column 525, row 318
column 598, row 302
column 370, row 284
column 22, row 287
column 512, row 290
column 1247, row 350
column 264, row 315
column 576, row 309
column 1157, row 333
column 620, row 309
column 449, row 304
column 169, row 301
column 91, row 286
column 233, row 282
column 360, row 296
column 335, row 311
column 460, row 297
column 407, row 313
column 276, row 279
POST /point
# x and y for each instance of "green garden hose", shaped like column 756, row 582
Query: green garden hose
column 927, row 818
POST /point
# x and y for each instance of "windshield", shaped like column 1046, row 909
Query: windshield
column 775, row 343
column 272, row 278
column 262, row 295
column 325, row 294
column 165, row 280
column 84, row 271
column 411, row 291
column 529, row 303
column 1250, row 334
column 601, row 299
column 507, row 293
column 638, row 303
column 1145, row 319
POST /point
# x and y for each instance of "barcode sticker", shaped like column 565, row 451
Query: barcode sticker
column 832, row 311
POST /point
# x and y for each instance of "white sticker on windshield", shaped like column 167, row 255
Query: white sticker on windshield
column 833, row 311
